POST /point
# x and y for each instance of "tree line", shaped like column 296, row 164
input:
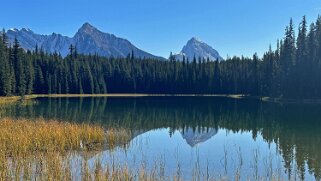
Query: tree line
column 293, row 70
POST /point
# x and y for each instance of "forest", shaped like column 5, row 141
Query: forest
column 292, row 70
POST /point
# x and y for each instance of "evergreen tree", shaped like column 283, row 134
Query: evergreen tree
column 5, row 81
column 217, row 78
column 287, row 58
column 19, row 68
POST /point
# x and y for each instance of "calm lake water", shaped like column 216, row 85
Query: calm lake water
column 201, row 136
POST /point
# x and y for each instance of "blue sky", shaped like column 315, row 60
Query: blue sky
column 233, row 27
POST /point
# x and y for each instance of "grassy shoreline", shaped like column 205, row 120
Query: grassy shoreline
column 6, row 100
column 25, row 137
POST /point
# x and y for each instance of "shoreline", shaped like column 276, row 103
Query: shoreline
column 134, row 95
column 13, row 99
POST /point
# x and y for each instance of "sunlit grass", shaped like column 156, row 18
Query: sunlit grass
column 38, row 149
column 8, row 100
column 21, row 137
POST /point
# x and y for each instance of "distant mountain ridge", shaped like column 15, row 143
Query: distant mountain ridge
column 88, row 40
column 196, row 48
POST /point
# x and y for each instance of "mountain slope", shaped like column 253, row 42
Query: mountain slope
column 88, row 40
column 197, row 48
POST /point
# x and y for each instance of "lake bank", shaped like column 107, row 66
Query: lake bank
column 13, row 99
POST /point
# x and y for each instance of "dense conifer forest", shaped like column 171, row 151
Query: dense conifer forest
column 293, row 70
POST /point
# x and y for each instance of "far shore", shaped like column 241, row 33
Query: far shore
column 33, row 96
column 136, row 95
column 12, row 99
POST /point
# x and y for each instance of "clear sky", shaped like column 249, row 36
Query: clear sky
column 233, row 27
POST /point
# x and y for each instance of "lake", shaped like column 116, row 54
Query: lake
column 198, row 137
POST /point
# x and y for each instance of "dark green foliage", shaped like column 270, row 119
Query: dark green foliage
column 293, row 70
column 5, row 74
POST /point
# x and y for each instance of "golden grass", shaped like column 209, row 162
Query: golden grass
column 117, row 136
column 20, row 137
column 8, row 100
column 40, row 149
column 23, row 137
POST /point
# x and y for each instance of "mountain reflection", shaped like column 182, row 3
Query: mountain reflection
column 197, row 136
column 295, row 128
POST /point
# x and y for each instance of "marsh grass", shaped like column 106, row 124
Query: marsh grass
column 38, row 148
column 8, row 100
column 25, row 137
column 117, row 137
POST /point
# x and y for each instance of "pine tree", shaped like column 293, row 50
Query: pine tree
column 18, row 63
column 287, row 58
column 5, row 81
column 255, row 75
column 29, row 71
column 312, row 66
column 302, row 62
column 217, row 78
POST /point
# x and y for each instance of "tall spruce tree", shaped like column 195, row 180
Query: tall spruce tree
column 5, row 80
column 19, row 68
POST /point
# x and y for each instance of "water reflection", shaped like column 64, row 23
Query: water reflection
column 296, row 129
column 197, row 136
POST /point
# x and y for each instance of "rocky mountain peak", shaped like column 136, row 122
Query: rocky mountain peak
column 88, row 39
column 196, row 48
column 87, row 28
column 194, row 40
